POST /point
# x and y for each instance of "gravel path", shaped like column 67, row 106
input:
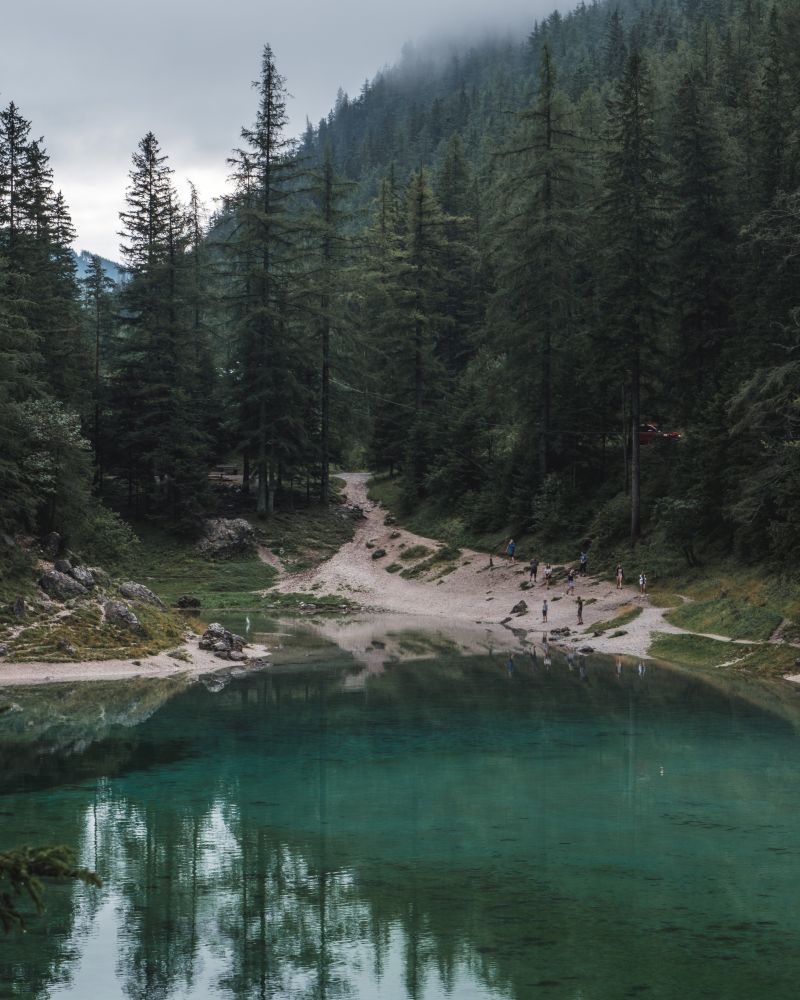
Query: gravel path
column 473, row 592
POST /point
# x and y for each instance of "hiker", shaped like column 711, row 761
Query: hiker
column 580, row 610
column 584, row 561
column 548, row 572
column 643, row 583
column 570, row 583
column 511, row 548
column 620, row 576
column 544, row 611
column 534, row 569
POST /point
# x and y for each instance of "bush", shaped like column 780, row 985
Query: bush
column 104, row 538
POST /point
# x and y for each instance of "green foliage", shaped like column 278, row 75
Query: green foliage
column 625, row 617
column 728, row 616
column 415, row 552
column 21, row 873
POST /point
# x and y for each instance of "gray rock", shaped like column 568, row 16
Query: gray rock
column 3, row 649
column 138, row 592
column 215, row 631
column 379, row 553
column 83, row 576
column 586, row 649
column 185, row 602
column 51, row 545
column 519, row 608
column 390, row 519
column 68, row 648
column 116, row 611
column 236, row 654
column 225, row 537
column 18, row 607
column 60, row 586
column 223, row 655
column 221, row 647
column 63, row 566
column 100, row 577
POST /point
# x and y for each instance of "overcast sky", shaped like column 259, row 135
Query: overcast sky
column 95, row 75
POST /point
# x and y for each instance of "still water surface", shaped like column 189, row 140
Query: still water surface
column 454, row 827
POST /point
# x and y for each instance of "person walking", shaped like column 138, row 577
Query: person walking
column 642, row 582
column 570, row 583
column 580, row 610
column 548, row 573
column 511, row 548
column 534, row 570
column 544, row 611
column 584, row 561
column 620, row 576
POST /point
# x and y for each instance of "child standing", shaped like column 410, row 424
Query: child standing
column 544, row 611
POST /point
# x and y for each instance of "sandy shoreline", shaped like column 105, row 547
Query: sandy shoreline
column 469, row 606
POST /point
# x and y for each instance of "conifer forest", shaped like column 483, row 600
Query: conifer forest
column 485, row 274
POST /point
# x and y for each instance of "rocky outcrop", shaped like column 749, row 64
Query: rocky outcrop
column 117, row 611
column 186, row 603
column 379, row 553
column 60, row 586
column 138, row 592
column 224, row 644
column 225, row 537
column 63, row 566
column 520, row 608
column 83, row 576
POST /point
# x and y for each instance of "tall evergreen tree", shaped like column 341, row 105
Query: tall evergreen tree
column 263, row 247
column 633, row 235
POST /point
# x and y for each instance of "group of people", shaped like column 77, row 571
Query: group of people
column 619, row 576
column 583, row 569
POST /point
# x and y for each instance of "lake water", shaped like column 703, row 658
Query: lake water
column 457, row 826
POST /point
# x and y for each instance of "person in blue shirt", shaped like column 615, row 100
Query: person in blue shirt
column 511, row 548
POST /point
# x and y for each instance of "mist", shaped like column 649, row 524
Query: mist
column 102, row 75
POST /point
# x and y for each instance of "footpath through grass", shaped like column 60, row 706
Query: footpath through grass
column 766, row 659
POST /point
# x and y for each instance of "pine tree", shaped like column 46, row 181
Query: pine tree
column 633, row 235
column 703, row 244
column 163, row 442
column 263, row 247
column 97, row 289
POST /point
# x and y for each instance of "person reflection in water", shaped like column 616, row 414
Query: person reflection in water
column 642, row 669
column 619, row 666
column 510, row 666
column 582, row 670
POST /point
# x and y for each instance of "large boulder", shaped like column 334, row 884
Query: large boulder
column 225, row 537
column 138, row 592
column 223, row 643
column 185, row 602
column 83, row 576
column 520, row 608
column 117, row 611
column 60, row 586
column 63, row 566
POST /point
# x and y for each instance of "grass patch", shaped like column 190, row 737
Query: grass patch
column 307, row 602
column 303, row 539
column 85, row 635
column 628, row 614
column 763, row 659
column 437, row 561
column 393, row 567
column 728, row 616
column 171, row 567
column 415, row 552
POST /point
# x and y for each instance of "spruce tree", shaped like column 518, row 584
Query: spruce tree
column 633, row 235
column 263, row 247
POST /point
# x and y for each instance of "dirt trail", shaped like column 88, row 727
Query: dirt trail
column 472, row 592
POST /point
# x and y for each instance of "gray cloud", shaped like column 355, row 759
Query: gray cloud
column 95, row 75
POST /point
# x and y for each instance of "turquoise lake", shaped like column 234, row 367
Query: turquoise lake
column 454, row 826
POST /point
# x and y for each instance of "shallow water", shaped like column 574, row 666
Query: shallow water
column 469, row 827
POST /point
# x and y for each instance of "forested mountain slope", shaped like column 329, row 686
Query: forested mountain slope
column 485, row 273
